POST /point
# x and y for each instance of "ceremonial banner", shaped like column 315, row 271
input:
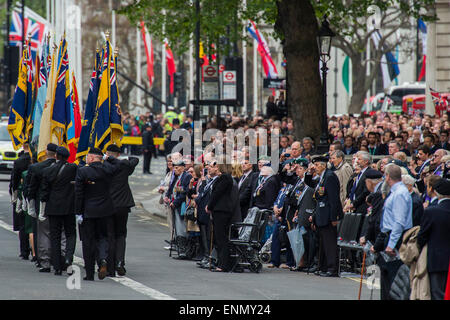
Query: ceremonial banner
column 149, row 52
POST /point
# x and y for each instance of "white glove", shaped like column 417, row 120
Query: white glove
column 31, row 208
column 42, row 212
column 24, row 205
column 79, row 218
column 14, row 196
column 19, row 206
column 105, row 156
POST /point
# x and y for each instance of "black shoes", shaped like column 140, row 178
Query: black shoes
column 121, row 269
column 34, row 259
column 329, row 274
column 103, row 269
column 47, row 270
column 88, row 278
column 58, row 272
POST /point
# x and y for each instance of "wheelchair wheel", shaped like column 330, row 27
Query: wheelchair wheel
column 265, row 257
column 255, row 266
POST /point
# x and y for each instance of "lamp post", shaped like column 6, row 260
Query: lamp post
column 324, row 42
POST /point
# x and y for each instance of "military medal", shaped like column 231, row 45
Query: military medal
column 321, row 191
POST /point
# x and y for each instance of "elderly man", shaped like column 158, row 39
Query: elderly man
column 359, row 192
column 436, row 161
column 396, row 219
column 417, row 210
column 343, row 171
column 328, row 212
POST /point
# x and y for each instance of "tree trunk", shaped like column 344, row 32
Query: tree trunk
column 358, row 84
column 297, row 22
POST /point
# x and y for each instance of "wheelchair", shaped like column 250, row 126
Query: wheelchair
column 246, row 239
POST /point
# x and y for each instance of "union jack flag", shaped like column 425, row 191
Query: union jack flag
column 34, row 29
column 440, row 102
column 64, row 67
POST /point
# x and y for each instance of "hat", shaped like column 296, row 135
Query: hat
column 96, row 151
column 183, row 108
column 373, row 174
column 266, row 158
column 185, row 125
column 113, row 148
column 301, row 161
column 52, row 147
column 171, row 108
column 442, row 186
column 397, row 162
column 63, row 152
column 179, row 163
column 320, row 159
column 267, row 164
column 176, row 121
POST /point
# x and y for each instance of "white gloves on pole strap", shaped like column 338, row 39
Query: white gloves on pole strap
column 32, row 208
column 19, row 205
column 24, row 205
column 79, row 218
column 14, row 196
column 42, row 212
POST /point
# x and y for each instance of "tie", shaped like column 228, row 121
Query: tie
column 352, row 192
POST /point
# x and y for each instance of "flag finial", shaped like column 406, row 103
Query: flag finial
column 107, row 35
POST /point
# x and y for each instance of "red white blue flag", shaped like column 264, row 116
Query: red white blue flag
column 263, row 48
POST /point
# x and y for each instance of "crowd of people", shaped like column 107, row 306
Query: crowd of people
column 52, row 196
column 390, row 168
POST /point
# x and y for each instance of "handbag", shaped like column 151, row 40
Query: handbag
column 283, row 237
column 190, row 213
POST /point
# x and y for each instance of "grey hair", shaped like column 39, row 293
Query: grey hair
column 365, row 155
column 307, row 139
column 408, row 180
column 339, row 154
column 394, row 171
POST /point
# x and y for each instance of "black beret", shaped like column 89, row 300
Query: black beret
column 319, row 159
column 52, row 147
column 442, row 186
column 398, row 162
column 113, row 148
column 373, row 174
column 96, row 151
column 267, row 164
column 63, row 152
column 176, row 121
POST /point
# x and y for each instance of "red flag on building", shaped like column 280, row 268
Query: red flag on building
column 171, row 69
column 149, row 52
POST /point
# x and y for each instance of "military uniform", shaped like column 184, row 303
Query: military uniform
column 34, row 195
column 94, row 204
column 328, row 210
column 122, row 200
column 58, row 194
column 20, row 165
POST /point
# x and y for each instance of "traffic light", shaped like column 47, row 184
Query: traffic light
column 178, row 82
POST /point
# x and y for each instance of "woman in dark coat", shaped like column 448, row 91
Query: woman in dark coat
column 221, row 206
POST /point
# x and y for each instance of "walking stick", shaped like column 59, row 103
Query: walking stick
column 173, row 231
column 362, row 273
column 211, row 245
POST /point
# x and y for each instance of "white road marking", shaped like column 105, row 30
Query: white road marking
column 127, row 282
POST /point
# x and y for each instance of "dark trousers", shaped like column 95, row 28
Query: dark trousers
column 58, row 224
column 147, row 161
column 310, row 243
column 19, row 225
column 438, row 281
column 276, row 247
column 117, row 233
column 388, row 270
column 221, row 225
column 95, row 236
column 328, row 249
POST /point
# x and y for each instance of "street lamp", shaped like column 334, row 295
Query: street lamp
column 324, row 43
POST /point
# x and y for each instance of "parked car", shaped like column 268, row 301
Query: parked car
column 7, row 152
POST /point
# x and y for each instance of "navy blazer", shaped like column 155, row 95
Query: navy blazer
column 434, row 231
column 328, row 206
column 184, row 185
